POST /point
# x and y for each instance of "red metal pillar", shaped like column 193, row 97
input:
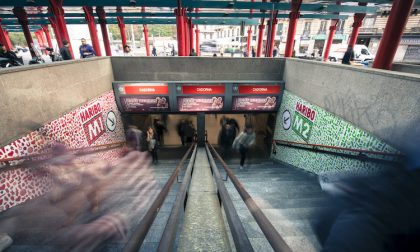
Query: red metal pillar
column 22, row 16
column 56, row 33
column 43, row 40
column 8, row 42
column 180, row 31
column 58, row 12
column 121, row 25
column 146, row 39
column 191, row 33
column 393, row 32
column 333, row 28
column 146, row 34
column 197, row 40
column 272, row 37
column 293, row 16
column 248, row 42
column 4, row 37
column 47, row 35
column 90, row 19
column 260, row 37
column 38, row 39
column 358, row 21
column 197, row 37
column 102, row 21
column 186, row 35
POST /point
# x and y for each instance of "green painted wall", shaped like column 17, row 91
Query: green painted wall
column 311, row 124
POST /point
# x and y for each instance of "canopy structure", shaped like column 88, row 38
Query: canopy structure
column 29, row 15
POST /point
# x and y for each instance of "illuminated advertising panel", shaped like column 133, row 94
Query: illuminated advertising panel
column 142, row 104
column 254, row 103
column 200, row 103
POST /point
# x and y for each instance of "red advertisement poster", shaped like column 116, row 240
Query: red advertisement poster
column 142, row 104
column 203, row 89
column 259, row 89
column 145, row 89
column 195, row 104
column 254, row 103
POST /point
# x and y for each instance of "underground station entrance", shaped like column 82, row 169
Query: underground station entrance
column 200, row 111
column 210, row 124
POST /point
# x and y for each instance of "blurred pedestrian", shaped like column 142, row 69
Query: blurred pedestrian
column 227, row 136
column 243, row 142
column 189, row 132
column 193, row 53
column 152, row 142
column 253, row 52
column 64, row 51
column 181, row 131
column 348, row 57
column 127, row 50
column 134, row 138
column 160, row 129
column 86, row 50
column 275, row 51
column 154, row 51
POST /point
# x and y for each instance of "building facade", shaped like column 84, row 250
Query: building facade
column 312, row 34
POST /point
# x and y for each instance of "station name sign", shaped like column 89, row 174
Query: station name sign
column 203, row 89
column 259, row 89
column 146, row 89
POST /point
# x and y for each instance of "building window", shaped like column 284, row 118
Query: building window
column 340, row 26
column 368, row 22
column 323, row 28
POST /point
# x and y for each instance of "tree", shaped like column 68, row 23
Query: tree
column 17, row 39
column 162, row 30
column 155, row 30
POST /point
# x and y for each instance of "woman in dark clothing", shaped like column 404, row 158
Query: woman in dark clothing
column 152, row 143
column 64, row 51
column 348, row 56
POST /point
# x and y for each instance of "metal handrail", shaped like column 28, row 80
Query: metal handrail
column 169, row 234
column 340, row 148
column 270, row 232
column 239, row 236
column 136, row 240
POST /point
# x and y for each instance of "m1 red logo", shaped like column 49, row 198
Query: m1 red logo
column 259, row 89
column 93, row 122
column 203, row 89
column 146, row 89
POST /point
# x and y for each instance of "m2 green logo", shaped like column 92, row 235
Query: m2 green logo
column 302, row 126
column 303, row 121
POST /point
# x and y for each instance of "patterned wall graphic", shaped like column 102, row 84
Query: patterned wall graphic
column 90, row 125
column 300, row 121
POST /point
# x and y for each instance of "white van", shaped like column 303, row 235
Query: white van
column 361, row 53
